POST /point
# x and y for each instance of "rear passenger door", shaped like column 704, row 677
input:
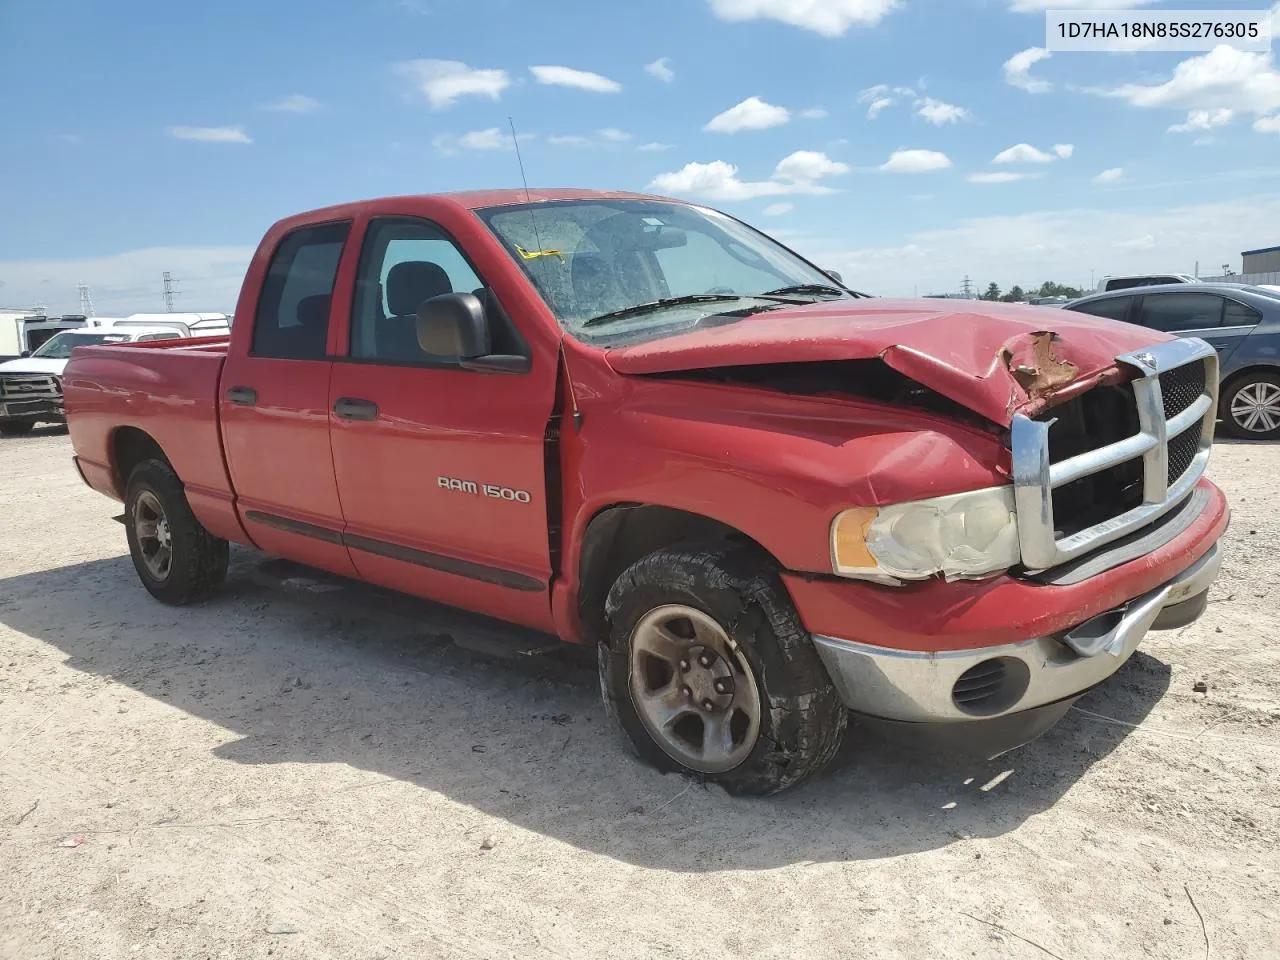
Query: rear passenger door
column 1203, row 315
column 274, row 406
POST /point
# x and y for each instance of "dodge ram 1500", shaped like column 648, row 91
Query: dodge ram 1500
column 771, row 502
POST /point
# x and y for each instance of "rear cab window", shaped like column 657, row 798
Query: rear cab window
column 292, row 321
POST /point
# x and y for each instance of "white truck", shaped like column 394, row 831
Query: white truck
column 31, row 386
column 22, row 331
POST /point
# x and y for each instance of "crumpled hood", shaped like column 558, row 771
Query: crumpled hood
column 33, row 365
column 992, row 358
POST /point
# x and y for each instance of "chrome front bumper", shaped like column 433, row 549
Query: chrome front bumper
column 913, row 686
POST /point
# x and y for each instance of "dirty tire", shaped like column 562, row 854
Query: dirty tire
column 16, row 428
column 802, row 720
column 199, row 559
column 1244, row 392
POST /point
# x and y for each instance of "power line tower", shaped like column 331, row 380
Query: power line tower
column 967, row 289
column 86, row 300
column 169, row 292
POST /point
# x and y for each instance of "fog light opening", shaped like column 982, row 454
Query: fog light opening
column 991, row 687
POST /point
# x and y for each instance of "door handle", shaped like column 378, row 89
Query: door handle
column 351, row 408
column 242, row 396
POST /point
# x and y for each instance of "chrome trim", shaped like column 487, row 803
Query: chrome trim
column 1035, row 478
column 914, row 686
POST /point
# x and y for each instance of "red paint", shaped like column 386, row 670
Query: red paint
column 776, row 467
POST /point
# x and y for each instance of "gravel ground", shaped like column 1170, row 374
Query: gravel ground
column 297, row 769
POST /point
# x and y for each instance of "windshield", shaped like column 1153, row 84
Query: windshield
column 60, row 347
column 621, row 263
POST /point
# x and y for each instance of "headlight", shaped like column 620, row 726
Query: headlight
column 964, row 535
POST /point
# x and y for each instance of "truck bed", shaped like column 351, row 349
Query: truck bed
column 166, row 390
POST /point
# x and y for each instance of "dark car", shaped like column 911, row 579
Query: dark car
column 1242, row 323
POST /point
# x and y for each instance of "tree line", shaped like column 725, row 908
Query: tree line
column 1016, row 293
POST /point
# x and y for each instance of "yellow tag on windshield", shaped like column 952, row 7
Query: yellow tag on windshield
column 535, row 254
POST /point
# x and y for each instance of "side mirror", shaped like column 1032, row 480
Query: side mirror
column 454, row 325
column 834, row 275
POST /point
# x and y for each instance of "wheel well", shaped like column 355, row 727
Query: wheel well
column 618, row 536
column 1239, row 375
column 129, row 447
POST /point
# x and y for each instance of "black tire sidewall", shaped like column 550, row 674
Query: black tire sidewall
column 802, row 718
column 16, row 428
column 199, row 560
column 1228, row 395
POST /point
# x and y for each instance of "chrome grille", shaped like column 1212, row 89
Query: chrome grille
column 1163, row 458
column 28, row 387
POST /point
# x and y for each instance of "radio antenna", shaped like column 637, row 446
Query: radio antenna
column 525, row 180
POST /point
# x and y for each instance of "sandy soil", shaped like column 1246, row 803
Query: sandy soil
column 296, row 771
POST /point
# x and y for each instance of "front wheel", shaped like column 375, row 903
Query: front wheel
column 709, row 672
column 177, row 559
column 16, row 428
column 1250, row 407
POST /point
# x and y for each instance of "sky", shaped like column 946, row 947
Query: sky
column 906, row 143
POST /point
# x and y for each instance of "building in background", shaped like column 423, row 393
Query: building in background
column 1266, row 260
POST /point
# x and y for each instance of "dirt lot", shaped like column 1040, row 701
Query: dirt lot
column 295, row 770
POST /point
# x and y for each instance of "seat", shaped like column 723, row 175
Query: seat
column 306, row 339
column 595, row 286
column 409, row 285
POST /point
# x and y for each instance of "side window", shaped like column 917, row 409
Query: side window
column 404, row 263
column 1172, row 312
column 1116, row 308
column 1238, row 315
column 293, row 309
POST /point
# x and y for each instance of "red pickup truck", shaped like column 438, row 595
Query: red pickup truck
column 639, row 423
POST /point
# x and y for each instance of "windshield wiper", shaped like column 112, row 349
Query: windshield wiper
column 804, row 288
column 664, row 302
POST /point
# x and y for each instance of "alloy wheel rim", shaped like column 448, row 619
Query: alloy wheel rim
column 1256, row 407
column 693, row 689
column 155, row 539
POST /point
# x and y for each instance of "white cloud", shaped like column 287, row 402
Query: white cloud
column 661, row 68
column 804, row 166
column 814, row 113
column 751, row 114
column 1061, row 245
column 1000, row 176
column 1267, row 124
column 1204, row 120
column 211, row 134
column 877, row 106
column 796, row 173
column 778, row 209
column 605, row 137
column 939, row 112
column 1114, row 175
column 1064, row 150
column 295, row 103
column 915, row 161
column 614, row 135
column 1035, row 6
column 569, row 140
column 493, row 138
column 442, row 82
column 1223, row 78
column 655, row 147
column 1017, row 70
column 831, row 18
column 882, row 96
column 578, row 79
column 1022, row 153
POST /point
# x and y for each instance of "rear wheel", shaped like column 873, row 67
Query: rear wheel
column 176, row 558
column 709, row 672
column 1250, row 407
column 15, row 428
